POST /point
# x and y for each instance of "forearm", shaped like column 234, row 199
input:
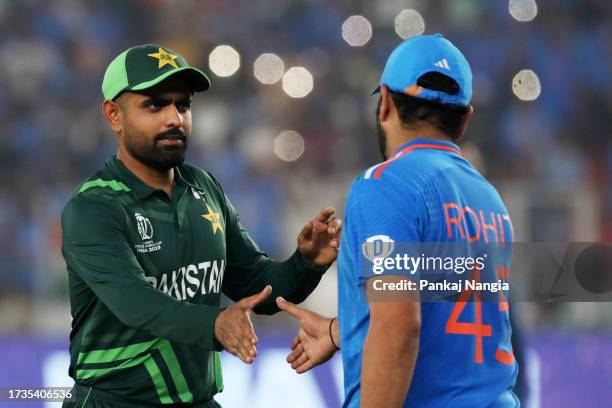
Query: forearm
column 291, row 279
column 138, row 305
column 387, row 353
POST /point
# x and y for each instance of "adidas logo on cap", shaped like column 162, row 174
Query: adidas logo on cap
column 443, row 63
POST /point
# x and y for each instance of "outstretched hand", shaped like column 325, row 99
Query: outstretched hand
column 234, row 330
column 313, row 345
column 319, row 240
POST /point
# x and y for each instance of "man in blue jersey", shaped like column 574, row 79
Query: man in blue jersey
column 417, row 352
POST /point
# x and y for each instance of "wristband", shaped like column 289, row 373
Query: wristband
column 330, row 334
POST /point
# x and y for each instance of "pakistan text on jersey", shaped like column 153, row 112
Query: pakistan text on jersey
column 187, row 281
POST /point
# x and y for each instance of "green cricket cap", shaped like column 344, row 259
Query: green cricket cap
column 144, row 66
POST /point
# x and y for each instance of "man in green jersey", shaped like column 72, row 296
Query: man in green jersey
column 150, row 243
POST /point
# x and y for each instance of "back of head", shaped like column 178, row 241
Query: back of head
column 414, row 111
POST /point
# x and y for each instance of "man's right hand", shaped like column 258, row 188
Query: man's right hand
column 313, row 345
column 234, row 330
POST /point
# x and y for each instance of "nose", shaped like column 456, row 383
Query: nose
column 174, row 117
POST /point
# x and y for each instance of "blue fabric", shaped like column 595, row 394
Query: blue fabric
column 421, row 195
column 419, row 55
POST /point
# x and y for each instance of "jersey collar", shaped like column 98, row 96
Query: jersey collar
column 433, row 144
column 140, row 189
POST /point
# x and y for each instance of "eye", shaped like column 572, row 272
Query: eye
column 153, row 105
column 183, row 106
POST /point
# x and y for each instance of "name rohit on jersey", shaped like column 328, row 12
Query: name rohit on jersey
column 188, row 281
column 472, row 225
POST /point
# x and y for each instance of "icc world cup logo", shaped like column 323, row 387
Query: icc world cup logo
column 145, row 229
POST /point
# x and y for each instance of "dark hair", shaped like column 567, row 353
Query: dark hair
column 445, row 117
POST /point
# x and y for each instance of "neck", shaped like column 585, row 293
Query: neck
column 403, row 136
column 161, row 180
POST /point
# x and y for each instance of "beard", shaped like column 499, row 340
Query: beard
column 382, row 139
column 155, row 155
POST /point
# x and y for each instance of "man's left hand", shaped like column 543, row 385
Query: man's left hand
column 319, row 240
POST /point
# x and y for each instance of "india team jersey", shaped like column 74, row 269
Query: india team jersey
column 427, row 193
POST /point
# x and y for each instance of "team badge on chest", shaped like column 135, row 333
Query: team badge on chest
column 214, row 218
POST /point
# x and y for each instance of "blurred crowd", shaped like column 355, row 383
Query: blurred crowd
column 53, row 55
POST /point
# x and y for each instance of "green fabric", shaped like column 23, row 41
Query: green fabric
column 86, row 373
column 167, row 352
column 218, row 372
column 148, row 84
column 144, row 66
column 158, row 380
column 146, row 273
column 112, row 184
column 119, row 353
column 115, row 77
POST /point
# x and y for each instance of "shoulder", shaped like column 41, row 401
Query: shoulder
column 101, row 186
column 391, row 193
column 100, row 195
column 400, row 175
column 90, row 215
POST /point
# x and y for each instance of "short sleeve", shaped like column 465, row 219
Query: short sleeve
column 382, row 221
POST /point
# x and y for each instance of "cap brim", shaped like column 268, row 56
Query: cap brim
column 198, row 81
column 376, row 90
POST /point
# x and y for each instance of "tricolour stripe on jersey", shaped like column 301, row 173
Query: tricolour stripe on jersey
column 376, row 171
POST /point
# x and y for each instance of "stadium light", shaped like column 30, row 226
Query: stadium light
column 289, row 145
column 356, row 31
column 409, row 23
column 224, row 61
column 526, row 85
column 523, row 10
column 268, row 68
column 297, row 82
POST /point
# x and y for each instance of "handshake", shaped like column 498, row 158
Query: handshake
column 316, row 342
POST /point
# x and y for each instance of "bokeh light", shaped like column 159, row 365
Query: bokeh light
column 268, row 68
column 297, row 82
column 224, row 61
column 523, row 10
column 526, row 85
column 409, row 23
column 356, row 31
column 289, row 145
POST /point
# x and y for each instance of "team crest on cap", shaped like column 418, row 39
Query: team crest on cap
column 164, row 57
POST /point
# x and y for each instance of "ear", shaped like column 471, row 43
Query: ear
column 386, row 104
column 464, row 123
column 113, row 114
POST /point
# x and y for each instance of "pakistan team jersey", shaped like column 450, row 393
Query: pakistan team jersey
column 427, row 193
column 145, row 275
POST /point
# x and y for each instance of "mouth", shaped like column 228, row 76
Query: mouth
column 171, row 141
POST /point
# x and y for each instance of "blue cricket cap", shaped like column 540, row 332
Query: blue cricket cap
column 420, row 55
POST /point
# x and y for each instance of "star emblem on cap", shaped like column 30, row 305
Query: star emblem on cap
column 164, row 58
column 214, row 218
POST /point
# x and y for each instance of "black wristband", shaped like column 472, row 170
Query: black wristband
column 330, row 334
